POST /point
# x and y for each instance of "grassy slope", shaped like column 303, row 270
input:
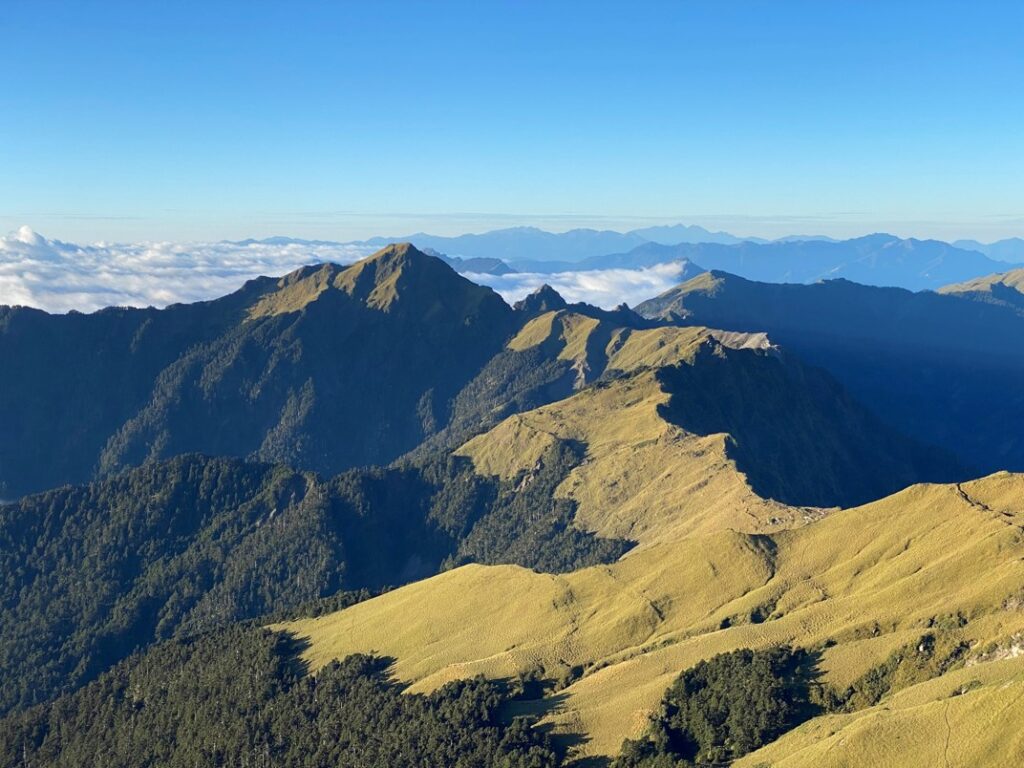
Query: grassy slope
column 964, row 718
column 644, row 479
column 717, row 568
column 867, row 580
column 1013, row 279
column 947, row 369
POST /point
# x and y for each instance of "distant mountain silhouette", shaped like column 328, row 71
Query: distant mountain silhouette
column 878, row 259
column 517, row 243
column 1009, row 250
column 881, row 259
column 682, row 233
column 472, row 266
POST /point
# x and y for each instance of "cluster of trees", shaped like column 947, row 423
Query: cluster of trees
column 242, row 697
column 726, row 707
column 513, row 381
column 735, row 703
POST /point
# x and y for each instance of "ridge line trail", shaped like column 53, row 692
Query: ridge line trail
column 974, row 502
column 949, row 734
column 1007, row 518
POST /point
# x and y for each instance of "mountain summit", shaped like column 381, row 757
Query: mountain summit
column 399, row 274
column 542, row 300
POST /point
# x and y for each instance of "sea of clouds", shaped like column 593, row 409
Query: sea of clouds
column 602, row 287
column 58, row 276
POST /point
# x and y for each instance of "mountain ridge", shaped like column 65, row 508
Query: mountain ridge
column 882, row 260
column 907, row 356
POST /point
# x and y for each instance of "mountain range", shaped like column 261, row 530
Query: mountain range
column 519, row 243
column 879, row 259
column 530, row 244
column 882, row 260
column 1009, row 250
column 241, row 527
column 283, row 370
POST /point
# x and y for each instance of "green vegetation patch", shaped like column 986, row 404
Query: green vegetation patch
column 528, row 526
column 726, row 707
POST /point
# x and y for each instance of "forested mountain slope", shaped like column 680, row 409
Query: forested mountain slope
column 326, row 368
column 184, row 546
column 569, row 494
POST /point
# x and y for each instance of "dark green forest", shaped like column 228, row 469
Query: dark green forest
column 88, row 575
column 726, row 707
column 242, row 697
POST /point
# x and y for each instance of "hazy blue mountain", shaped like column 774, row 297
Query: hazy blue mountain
column 795, row 238
column 518, row 243
column 281, row 240
column 683, row 233
column 947, row 369
column 880, row 259
column 1011, row 249
column 473, row 266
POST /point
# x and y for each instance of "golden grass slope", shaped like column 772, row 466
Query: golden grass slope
column 1012, row 279
column 643, row 478
column 860, row 583
column 969, row 717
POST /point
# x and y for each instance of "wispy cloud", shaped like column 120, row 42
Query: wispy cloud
column 605, row 287
column 58, row 276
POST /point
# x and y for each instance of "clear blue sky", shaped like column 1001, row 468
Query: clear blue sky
column 183, row 120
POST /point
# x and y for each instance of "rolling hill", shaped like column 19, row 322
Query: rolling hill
column 869, row 589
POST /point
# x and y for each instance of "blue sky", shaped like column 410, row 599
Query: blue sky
column 151, row 120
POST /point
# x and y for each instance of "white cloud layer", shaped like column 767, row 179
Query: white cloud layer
column 58, row 276
column 603, row 287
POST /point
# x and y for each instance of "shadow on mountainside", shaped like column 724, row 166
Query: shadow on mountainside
column 793, row 430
